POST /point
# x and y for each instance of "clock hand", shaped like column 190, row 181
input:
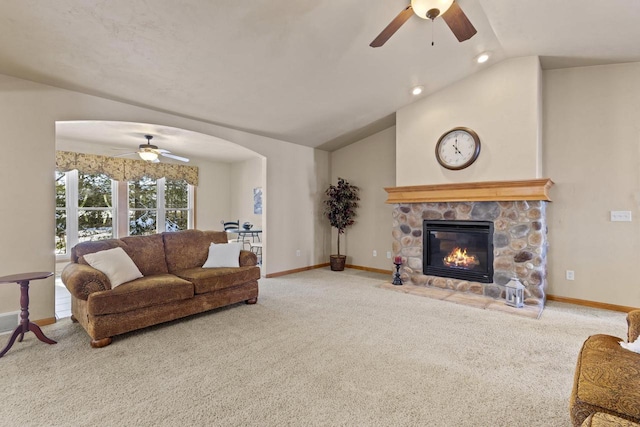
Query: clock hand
column 455, row 146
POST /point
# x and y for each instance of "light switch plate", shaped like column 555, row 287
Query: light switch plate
column 620, row 216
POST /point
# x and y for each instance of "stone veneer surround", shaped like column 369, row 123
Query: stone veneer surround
column 520, row 244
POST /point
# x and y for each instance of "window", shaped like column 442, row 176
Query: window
column 143, row 212
column 177, row 205
column 61, row 213
column 95, row 207
column 162, row 205
column 87, row 208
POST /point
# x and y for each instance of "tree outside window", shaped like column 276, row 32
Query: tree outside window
column 177, row 210
column 95, row 207
column 143, row 212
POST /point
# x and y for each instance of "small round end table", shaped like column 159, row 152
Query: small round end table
column 25, row 325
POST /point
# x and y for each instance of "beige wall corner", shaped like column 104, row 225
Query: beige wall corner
column 592, row 153
column 369, row 164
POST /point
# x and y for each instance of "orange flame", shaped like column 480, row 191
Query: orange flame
column 459, row 258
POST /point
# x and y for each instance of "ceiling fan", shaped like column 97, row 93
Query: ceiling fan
column 430, row 9
column 150, row 152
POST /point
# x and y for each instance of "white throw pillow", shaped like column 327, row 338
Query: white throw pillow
column 115, row 264
column 223, row 255
column 633, row 346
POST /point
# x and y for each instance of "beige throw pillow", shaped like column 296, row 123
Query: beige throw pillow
column 115, row 264
column 223, row 255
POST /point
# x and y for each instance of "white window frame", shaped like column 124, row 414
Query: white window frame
column 120, row 198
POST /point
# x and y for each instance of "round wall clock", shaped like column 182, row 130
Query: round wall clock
column 458, row 148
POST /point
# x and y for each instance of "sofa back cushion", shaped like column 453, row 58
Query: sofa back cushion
column 147, row 252
column 189, row 248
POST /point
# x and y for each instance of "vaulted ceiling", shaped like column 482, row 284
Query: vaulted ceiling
column 301, row 71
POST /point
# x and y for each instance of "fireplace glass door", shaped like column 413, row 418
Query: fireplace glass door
column 459, row 250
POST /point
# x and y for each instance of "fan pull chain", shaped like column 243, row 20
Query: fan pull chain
column 432, row 42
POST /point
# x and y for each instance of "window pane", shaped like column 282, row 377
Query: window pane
column 61, row 192
column 142, row 222
column 95, row 224
column 176, row 194
column 176, row 220
column 142, row 194
column 94, row 190
column 61, row 231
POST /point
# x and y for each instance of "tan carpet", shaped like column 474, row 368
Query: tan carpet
column 319, row 348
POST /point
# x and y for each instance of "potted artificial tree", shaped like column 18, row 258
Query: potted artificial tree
column 340, row 210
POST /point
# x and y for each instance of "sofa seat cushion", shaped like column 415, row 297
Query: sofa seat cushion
column 211, row 279
column 607, row 379
column 140, row 293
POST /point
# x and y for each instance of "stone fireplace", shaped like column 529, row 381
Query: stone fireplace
column 515, row 211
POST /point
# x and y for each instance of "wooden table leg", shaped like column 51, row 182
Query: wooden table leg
column 25, row 325
column 15, row 334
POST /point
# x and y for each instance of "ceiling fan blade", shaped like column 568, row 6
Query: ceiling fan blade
column 125, row 154
column 173, row 156
column 458, row 22
column 392, row 27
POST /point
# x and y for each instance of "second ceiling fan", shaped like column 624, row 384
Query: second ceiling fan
column 451, row 13
column 149, row 152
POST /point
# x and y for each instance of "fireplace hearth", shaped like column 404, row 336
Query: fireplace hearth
column 459, row 250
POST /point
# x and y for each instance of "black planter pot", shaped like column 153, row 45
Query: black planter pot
column 337, row 262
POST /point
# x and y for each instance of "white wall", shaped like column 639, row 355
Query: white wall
column 502, row 104
column 369, row 164
column 592, row 152
column 28, row 112
column 245, row 176
column 213, row 194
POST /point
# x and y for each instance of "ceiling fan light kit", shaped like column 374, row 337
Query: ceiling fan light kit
column 430, row 9
column 148, row 156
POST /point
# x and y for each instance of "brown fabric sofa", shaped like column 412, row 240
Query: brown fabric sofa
column 607, row 377
column 174, row 284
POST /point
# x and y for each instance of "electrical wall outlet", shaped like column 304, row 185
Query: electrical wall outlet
column 570, row 275
column 298, row 252
column 375, row 253
column 620, row 216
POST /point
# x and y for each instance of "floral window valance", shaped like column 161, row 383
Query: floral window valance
column 124, row 169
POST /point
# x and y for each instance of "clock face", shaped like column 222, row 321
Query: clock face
column 458, row 148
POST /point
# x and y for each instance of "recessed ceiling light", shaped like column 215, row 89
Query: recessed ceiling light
column 482, row 58
column 417, row 90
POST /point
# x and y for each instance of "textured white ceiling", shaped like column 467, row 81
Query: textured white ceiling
column 300, row 71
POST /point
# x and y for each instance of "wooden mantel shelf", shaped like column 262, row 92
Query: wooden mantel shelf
column 494, row 191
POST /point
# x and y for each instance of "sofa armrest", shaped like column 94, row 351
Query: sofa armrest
column 633, row 320
column 248, row 259
column 82, row 280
